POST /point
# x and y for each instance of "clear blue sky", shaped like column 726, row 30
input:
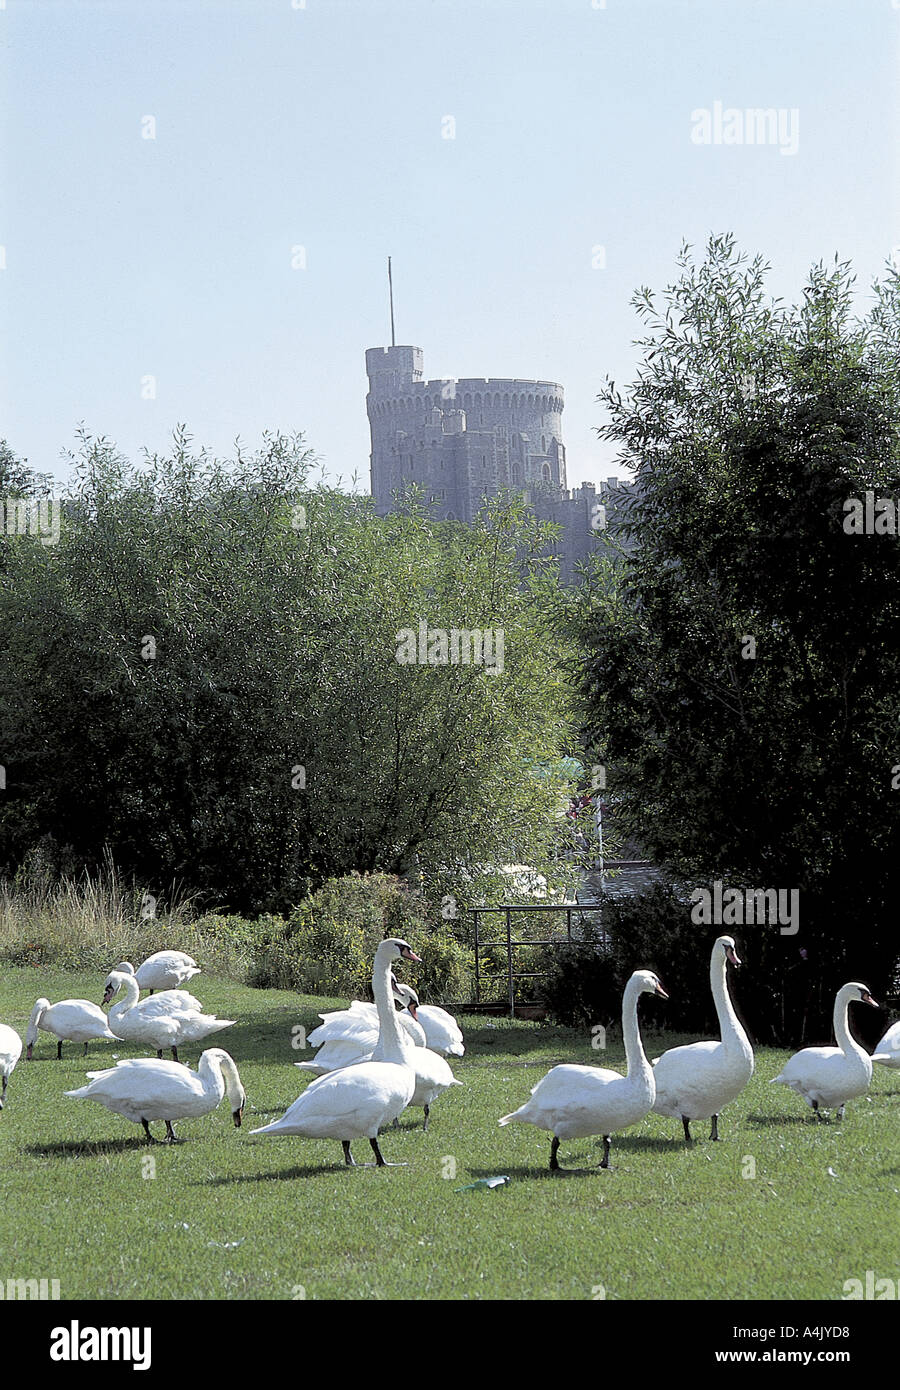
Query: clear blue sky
column 322, row 127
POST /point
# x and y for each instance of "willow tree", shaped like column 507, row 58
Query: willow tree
column 208, row 677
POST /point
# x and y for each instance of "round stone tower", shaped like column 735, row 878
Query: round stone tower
column 459, row 440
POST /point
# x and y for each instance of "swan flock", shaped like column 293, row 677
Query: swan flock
column 374, row 1061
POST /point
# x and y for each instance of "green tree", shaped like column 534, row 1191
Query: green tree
column 743, row 669
column 203, row 676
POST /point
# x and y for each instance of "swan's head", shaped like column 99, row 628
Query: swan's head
column 408, row 999
column 649, row 983
column 857, row 993
column 113, row 983
column 393, row 948
column 728, row 949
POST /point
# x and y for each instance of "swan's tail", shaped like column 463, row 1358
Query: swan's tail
column 513, row 1118
column 274, row 1128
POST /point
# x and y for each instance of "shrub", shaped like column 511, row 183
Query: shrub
column 581, row 985
column 327, row 944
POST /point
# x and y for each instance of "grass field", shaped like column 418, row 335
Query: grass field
column 230, row 1216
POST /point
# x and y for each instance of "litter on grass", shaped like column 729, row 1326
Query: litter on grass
column 483, row 1182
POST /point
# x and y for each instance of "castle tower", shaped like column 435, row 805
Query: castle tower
column 461, row 440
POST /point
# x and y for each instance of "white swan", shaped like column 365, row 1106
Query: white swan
column 163, row 1020
column 832, row 1075
column 439, row 1029
column 574, row 1102
column 348, row 1036
column 71, row 1020
column 10, row 1052
column 163, row 970
column 142, row 1089
column 358, row 1101
column 433, row 1075
column 888, row 1050
column 696, row 1082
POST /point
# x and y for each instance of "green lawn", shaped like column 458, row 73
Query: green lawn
column 229, row 1216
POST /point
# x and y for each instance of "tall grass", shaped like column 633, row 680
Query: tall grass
column 94, row 921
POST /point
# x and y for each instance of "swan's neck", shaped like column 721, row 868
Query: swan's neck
column 638, row 1066
column 37, row 1014
column 210, row 1069
column 392, row 1043
column 846, row 1041
column 235, row 1090
column 730, row 1028
column 132, row 993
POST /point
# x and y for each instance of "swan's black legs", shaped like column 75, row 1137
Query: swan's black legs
column 148, row 1134
column 380, row 1160
column 348, row 1157
column 687, row 1129
column 170, row 1133
column 714, row 1128
column 152, row 991
column 425, row 1126
column 3, row 1092
column 174, row 1054
column 59, row 1051
column 159, row 1053
column 84, row 1052
column 815, row 1106
column 555, row 1166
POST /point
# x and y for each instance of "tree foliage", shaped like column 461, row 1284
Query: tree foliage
column 202, row 676
column 743, row 673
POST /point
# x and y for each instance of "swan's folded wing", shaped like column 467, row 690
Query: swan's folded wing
column 136, row 1087
column 170, row 1001
column 139, row 1063
column 334, row 1055
column 347, row 1102
column 360, row 1030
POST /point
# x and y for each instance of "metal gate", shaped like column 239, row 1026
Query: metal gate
column 511, row 943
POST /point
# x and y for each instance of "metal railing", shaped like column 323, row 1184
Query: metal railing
column 511, row 944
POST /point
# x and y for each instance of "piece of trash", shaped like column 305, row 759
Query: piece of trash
column 483, row 1182
column 225, row 1245
column 831, row 1173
